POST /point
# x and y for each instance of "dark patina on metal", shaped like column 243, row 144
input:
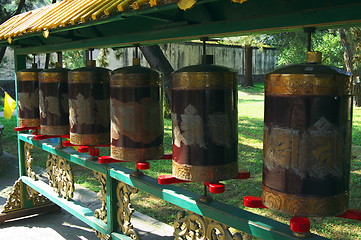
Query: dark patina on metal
column 307, row 140
column 89, row 105
column 53, row 101
column 136, row 114
column 204, row 118
column 28, row 96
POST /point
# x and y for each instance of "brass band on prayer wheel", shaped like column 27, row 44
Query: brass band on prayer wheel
column 136, row 114
column 89, row 105
column 204, row 118
column 307, row 140
column 53, row 101
column 28, row 97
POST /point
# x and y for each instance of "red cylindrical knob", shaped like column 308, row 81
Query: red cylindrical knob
column 143, row 165
column 300, row 224
column 216, row 188
column 253, row 202
column 83, row 149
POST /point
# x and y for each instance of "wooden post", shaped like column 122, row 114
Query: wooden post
column 248, row 67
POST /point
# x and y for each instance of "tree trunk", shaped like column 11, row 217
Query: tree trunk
column 248, row 67
column 348, row 57
column 18, row 11
column 158, row 61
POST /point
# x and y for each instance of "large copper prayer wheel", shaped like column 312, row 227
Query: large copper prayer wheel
column 307, row 140
column 136, row 114
column 89, row 105
column 204, row 118
column 53, row 101
column 28, row 96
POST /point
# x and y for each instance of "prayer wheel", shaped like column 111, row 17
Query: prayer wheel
column 204, row 119
column 89, row 105
column 307, row 139
column 28, row 96
column 53, row 101
column 136, row 113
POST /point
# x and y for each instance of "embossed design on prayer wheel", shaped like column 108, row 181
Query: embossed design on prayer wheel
column 28, row 96
column 307, row 140
column 53, row 101
column 136, row 113
column 89, row 105
column 204, row 118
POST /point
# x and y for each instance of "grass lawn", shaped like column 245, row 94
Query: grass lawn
column 250, row 121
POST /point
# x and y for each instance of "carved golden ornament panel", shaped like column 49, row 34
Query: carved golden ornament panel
column 60, row 176
column 136, row 154
column 29, row 122
column 54, row 130
column 204, row 173
column 89, row 139
column 191, row 226
column 198, row 80
column 125, row 210
column 307, row 84
column 29, row 161
column 305, row 205
column 16, row 199
column 101, row 213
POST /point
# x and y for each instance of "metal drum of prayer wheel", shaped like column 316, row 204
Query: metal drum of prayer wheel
column 204, row 118
column 28, row 96
column 307, row 139
column 136, row 113
column 53, row 100
column 89, row 105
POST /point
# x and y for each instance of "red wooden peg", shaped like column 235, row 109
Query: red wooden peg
column 169, row 179
column 215, row 188
column 42, row 137
column 83, row 149
column 243, row 174
column 354, row 214
column 142, row 165
column 253, row 202
column 93, row 151
column 300, row 226
column 107, row 159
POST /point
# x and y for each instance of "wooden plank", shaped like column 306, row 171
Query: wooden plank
column 50, row 208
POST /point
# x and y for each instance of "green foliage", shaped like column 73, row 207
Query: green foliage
column 73, row 59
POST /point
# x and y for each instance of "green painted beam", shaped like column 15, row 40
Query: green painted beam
column 237, row 218
column 70, row 154
column 82, row 213
column 273, row 21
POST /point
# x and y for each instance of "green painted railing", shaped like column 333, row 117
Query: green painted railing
column 237, row 218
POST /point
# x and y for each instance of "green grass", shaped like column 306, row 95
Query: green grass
column 250, row 108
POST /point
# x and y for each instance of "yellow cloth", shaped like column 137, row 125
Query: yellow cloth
column 9, row 106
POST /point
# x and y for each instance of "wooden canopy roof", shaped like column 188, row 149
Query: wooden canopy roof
column 80, row 24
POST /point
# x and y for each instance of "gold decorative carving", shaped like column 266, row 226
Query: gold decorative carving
column 16, row 199
column 54, row 130
column 29, row 161
column 125, row 210
column 307, row 84
column 198, row 80
column 89, row 139
column 204, row 173
column 29, row 122
column 101, row 213
column 189, row 225
column 60, row 176
column 136, row 154
column 305, row 205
